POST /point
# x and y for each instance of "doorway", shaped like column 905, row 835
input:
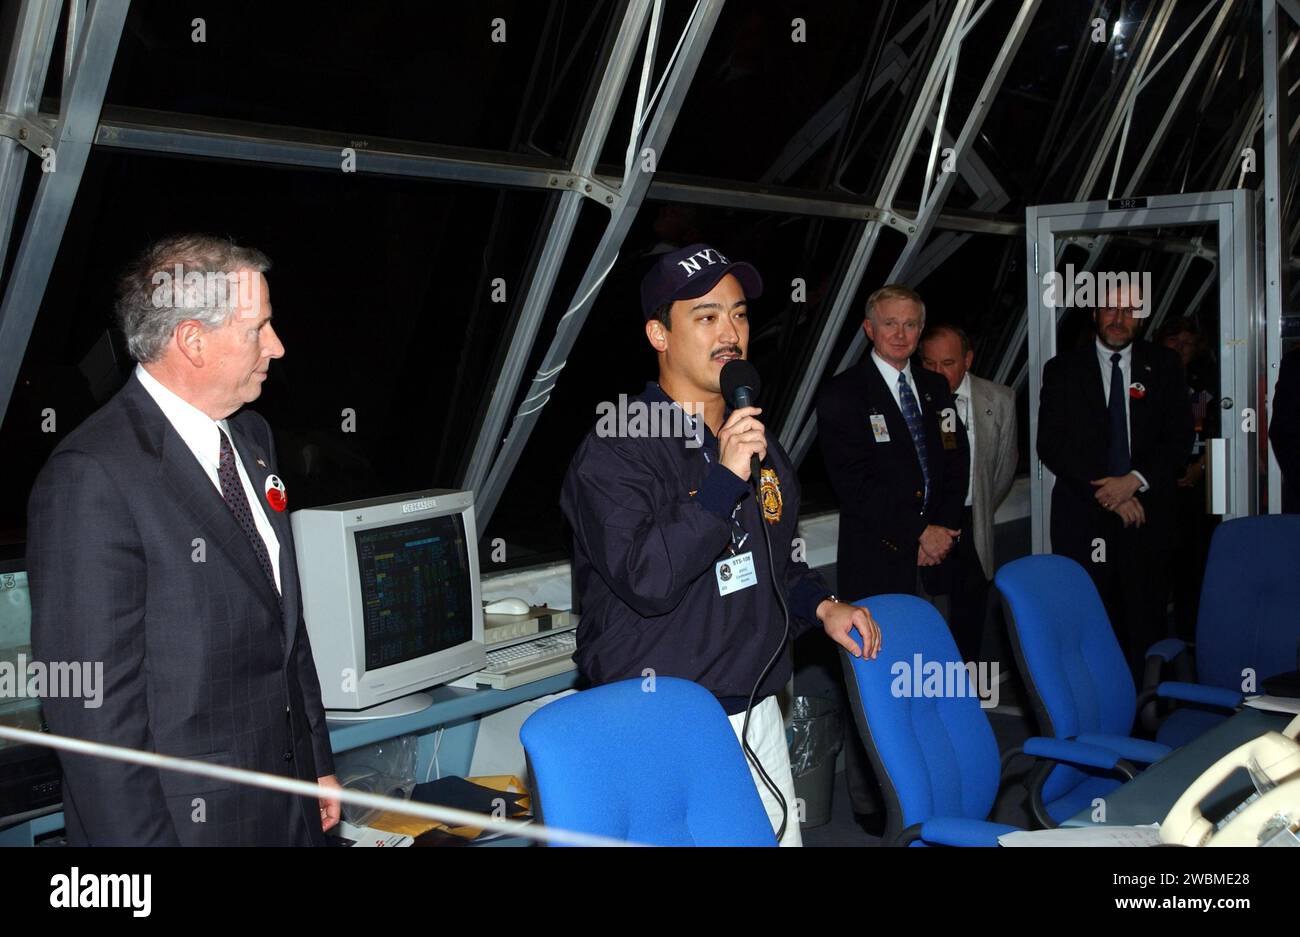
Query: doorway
column 1199, row 257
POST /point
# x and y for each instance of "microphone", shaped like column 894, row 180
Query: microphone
column 740, row 387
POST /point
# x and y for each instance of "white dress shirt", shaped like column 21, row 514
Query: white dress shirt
column 966, row 410
column 1126, row 369
column 203, row 436
column 890, row 374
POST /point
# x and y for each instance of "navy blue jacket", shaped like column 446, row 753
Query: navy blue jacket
column 651, row 517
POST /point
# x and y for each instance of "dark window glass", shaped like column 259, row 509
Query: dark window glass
column 382, row 293
column 429, row 72
column 785, row 88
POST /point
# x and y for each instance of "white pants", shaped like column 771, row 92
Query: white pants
column 767, row 740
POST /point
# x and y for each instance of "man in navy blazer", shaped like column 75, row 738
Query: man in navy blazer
column 898, row 459
column 1115, row 429
column 897, row 518
column 159, row 546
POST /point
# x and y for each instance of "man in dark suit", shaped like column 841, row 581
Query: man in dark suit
column 1115, row 429
column 159, row 546
column 897, row 457
column 1284, row 429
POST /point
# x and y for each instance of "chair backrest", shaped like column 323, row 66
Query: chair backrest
column 1069, row 657
column 920, row 720
column 650, row 761
column 1249, row 615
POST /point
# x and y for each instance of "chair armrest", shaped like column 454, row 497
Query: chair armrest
column 1200, row 693
column 1131, row 749
column 1167, row 649
column 1075, row 753
column 954, row 831
column 1069, row 752
column 1170, row 659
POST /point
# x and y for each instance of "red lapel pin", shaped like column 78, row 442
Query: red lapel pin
column 275, row 493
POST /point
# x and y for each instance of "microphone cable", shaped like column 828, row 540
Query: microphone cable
column 785, row 636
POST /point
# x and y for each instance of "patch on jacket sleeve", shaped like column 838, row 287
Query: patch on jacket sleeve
column 769, row 493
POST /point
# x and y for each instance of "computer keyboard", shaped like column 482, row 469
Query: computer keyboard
column 513, row 666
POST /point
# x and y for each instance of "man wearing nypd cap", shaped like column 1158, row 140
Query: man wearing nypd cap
column 670, row 562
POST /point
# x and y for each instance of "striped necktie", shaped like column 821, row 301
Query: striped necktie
column 912, row 415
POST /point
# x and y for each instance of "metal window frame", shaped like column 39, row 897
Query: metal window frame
column 83, row 96
column 20, row 91
column 632, row 192
column 487, row 439
column 96, row 29
column 1277, row 153
column 800, row 424
column 1120, row 119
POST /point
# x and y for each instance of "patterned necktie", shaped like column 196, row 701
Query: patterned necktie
column 232, row 489
column 1117, row 461
column 912, row 415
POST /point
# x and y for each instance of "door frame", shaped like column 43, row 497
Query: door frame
column 1242, row 327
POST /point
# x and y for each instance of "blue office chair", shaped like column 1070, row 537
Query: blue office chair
column 1075, row 673
column 1249, row 618
column 929, row 741
column 660, row 767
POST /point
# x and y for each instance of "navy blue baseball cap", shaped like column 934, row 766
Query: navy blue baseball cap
column 691, row 272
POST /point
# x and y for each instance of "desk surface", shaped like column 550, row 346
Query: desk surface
column 450, row 705
column 1149, row 797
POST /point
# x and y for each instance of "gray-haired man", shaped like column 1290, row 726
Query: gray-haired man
column 159, row 546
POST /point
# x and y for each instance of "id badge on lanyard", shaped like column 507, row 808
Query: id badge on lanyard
column 735, row 572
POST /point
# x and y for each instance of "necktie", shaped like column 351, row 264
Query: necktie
column 912, row 416
column 1117, row 462
column 232, row 490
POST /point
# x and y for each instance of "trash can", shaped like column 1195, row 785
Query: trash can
column 816, row 739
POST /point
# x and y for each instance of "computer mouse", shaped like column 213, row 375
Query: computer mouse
column 507, row 607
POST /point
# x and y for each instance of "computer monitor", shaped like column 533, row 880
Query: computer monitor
column 30, row 778
column 390, row 594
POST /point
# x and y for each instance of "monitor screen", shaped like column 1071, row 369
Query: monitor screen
column 20, row 710
column 415, row 589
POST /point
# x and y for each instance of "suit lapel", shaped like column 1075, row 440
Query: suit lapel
column 184, row 479
column 981, row 405
column 258, row 466
column 1091, row 374
column 1140, row 372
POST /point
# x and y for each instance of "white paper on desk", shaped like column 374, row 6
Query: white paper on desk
column 1275, row 704
column 369, row 836
column 1085, row 836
